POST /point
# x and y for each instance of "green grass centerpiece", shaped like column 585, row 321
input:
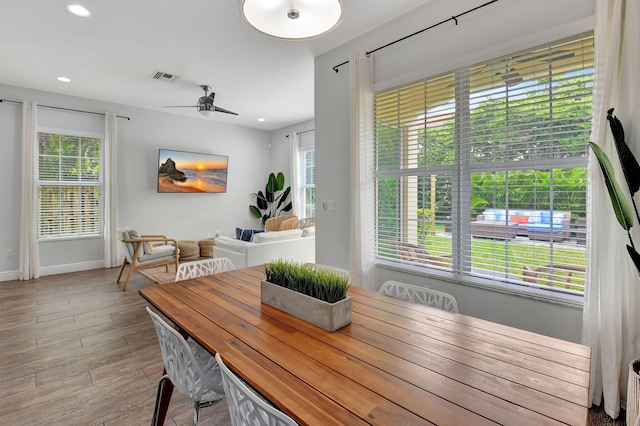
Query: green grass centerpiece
column 315, row 295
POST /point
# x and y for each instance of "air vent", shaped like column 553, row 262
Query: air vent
column 163, row 76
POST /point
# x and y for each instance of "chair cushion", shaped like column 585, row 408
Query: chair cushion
column 158, row 253
column 147, row 248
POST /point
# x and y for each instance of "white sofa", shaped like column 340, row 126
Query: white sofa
column 294, row 244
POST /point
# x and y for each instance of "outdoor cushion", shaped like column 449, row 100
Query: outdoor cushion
column 519, row 219
column 489, row 215
column 558, row 218
column 544, row 227
column 545, row 217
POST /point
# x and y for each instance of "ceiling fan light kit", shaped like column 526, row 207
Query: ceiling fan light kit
column 293, row 19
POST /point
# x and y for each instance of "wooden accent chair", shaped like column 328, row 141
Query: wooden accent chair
column 146, row 251
column 275, row 223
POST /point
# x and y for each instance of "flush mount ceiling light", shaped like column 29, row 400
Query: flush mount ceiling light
column 78, row 10
column 293, row 19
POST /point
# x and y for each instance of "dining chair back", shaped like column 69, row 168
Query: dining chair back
column 422, row 295
column 200, row 268
column 192, row 370
column 246, row 406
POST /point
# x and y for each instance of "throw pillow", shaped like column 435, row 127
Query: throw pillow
column 245, row 234
column 519, row 219
column 558, row 218
column 147, row 248
column 545, row 217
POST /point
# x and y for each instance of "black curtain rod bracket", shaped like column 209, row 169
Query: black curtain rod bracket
column 65, row 109
column 454, row 18
column 304, row 131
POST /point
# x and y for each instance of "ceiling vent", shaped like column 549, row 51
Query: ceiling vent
column 163, row 76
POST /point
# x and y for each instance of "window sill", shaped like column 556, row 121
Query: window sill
column 69, row 238
column 569, row 300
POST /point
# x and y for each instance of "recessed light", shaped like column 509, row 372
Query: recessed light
column 261, row 119
column 78, row 10
column 64, row 79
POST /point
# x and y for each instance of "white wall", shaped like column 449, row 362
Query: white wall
column 487, row 33
column 181, row 216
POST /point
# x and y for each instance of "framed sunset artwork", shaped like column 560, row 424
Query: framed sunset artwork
column 186, row 172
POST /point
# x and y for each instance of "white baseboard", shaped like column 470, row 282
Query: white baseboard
column 56, row 269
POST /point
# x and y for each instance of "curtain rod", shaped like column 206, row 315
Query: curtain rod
column 304, row 131
column 64, row 109
column 453, row 18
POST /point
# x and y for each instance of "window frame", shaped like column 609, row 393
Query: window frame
column 463, row 175
column 303, row 185
column 99, row 184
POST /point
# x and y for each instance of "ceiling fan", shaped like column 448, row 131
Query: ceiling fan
column 205, row 104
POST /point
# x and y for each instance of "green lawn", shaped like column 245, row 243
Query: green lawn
column 512, row 258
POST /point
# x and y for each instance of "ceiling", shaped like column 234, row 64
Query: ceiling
column 112, row 55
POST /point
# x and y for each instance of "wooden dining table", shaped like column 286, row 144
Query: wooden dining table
column 397, row 363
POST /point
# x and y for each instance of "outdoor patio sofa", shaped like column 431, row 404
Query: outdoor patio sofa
column 541, row 225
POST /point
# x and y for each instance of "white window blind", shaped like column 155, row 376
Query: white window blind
column 481, row 172
column 308, row 182
column 69, row 185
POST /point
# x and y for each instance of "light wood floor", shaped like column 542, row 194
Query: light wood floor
column 76, row 350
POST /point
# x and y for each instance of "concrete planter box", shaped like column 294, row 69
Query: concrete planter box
column 328, row 316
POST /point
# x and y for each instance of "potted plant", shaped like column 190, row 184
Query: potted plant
column 314, row 295
column 273, row 201
column 624, row 214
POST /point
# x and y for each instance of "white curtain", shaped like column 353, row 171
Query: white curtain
column 29, row 255
column 110, row 175
column 294, row 167
column 612, row 299
column 362, row 202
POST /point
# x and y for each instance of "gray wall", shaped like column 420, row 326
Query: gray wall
column 182, row 216
column 497, row 29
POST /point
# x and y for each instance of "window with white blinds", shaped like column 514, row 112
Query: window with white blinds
column 481, row 172
column 307, row 195
column 69, row 185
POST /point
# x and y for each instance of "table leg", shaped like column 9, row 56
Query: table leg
column 165, row 389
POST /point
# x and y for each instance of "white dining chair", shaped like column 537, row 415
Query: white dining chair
column 246, row 406
column 193, row 371
column 337, row 270
column 422, row 295
column 200, row 268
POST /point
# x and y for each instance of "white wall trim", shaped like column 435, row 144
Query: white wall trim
column 71, row 267
column 9, row 276
column 546, row 36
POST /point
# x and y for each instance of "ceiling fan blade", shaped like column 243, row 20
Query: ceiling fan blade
column 218, row 109
column 180, row 106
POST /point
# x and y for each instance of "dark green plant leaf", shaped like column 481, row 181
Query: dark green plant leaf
column 261, row 201
column 287, row 208
column 629, row 164
column 255, row 211
column 635, row 256
column 272, row 185
column 621, row 206
column 280, row 181
column 284, row 196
